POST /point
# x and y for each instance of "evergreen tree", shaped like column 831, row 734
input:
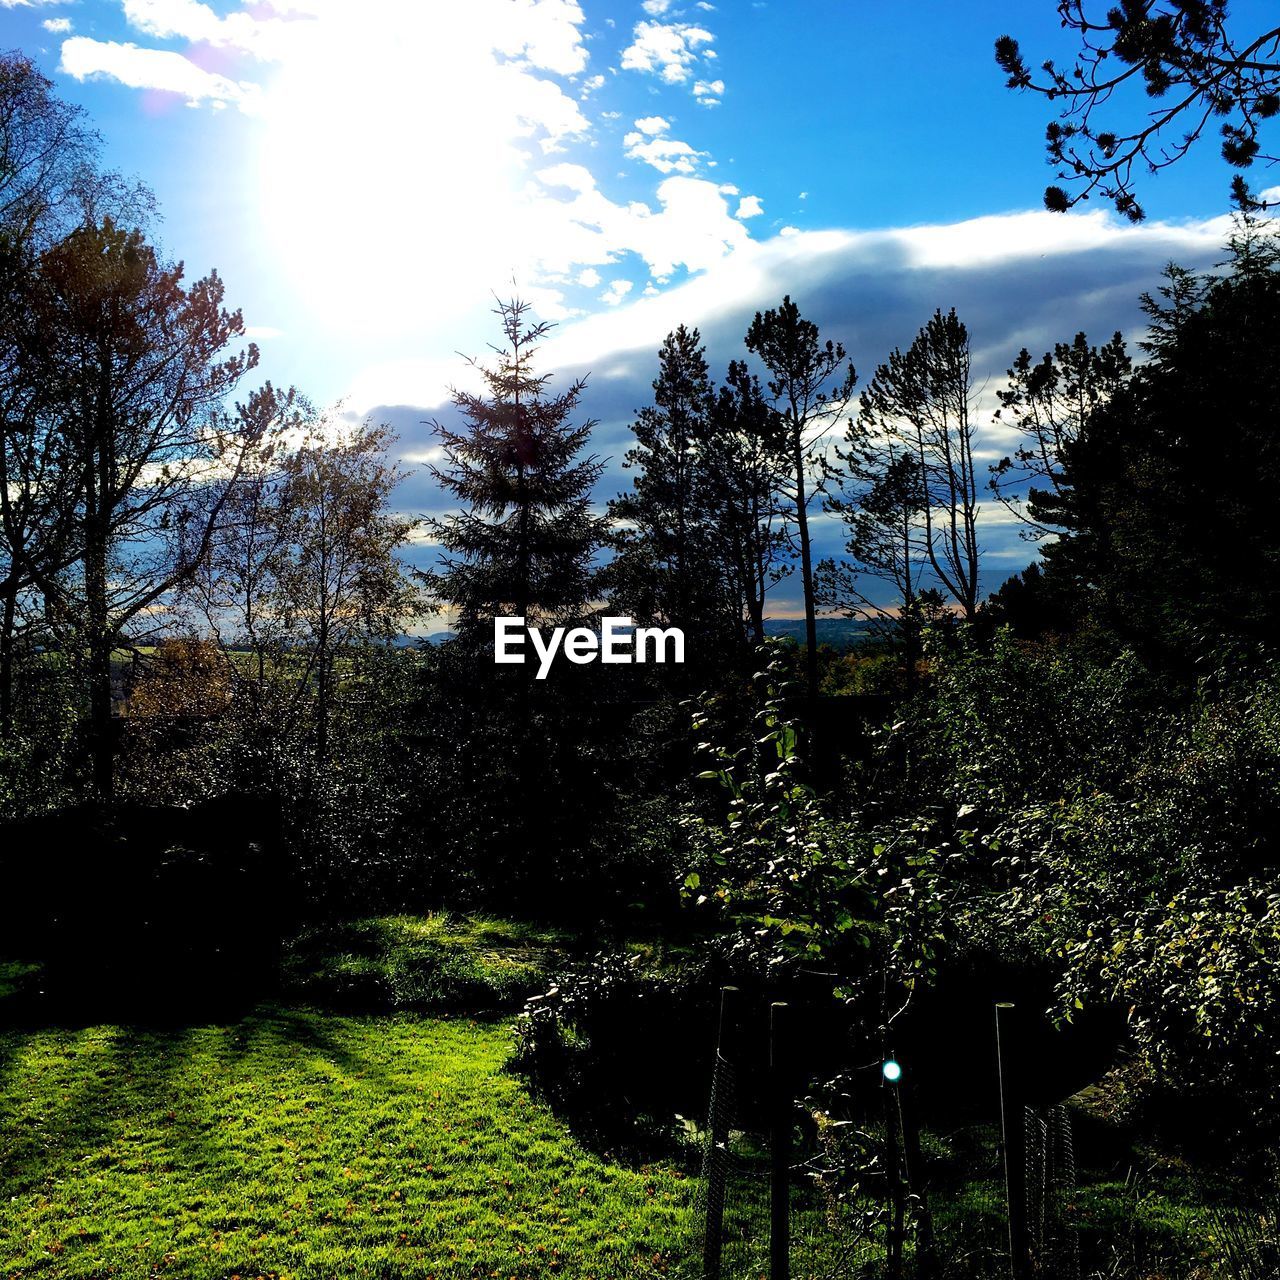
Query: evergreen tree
column 811, row 383
column 921, row 400
column 743, row 463
column 523, row 542
column 1047, row 404
column 664, row 568
column 520, row 781
column 1168, row 494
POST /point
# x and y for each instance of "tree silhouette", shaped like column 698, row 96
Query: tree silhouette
column 663, row 569
column 523, row 541
column 1168, row 492
column 811, row 384
column 881, row 502
column 921, row 400
column 139, row 372
column 1187, row 58
column 744, row 461
column 1047, row 403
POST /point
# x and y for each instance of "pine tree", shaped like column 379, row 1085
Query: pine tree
column 811, row 383
column 743, row 462
column 523, row 542
column 661, row 570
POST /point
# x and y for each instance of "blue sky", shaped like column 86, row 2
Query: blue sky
column 365, row 173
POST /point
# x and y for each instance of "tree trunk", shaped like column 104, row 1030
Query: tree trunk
column 806, row 573
column 6, row 654
column 322, row 701
column 100, row 643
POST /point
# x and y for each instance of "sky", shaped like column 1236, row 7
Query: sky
column 367, row 175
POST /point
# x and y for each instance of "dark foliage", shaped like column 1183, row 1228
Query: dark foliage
column 1192, row 62
column 147, row 912
column 1170, row 485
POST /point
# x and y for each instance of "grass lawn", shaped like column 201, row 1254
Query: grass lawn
column 419, row 963
column 303, row 1144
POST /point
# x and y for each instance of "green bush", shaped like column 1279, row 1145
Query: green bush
column 433, row 962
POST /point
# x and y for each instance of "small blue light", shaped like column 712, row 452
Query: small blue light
column 891, row 1071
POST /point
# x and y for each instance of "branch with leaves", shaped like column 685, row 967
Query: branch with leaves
column 1187, row 58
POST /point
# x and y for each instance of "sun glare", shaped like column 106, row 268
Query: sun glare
column 393, row 156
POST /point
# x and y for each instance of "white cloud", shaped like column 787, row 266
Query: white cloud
column 667, row 155
column 57, row 26
column 709, row 92
column 749, row 207
column 30, row 4
column 692, row 228
column 656, row 8
column 445, row 116
column 617, row 290
column 1068, row 271
column 84, row 58
column 668, row 50
column 191, row 20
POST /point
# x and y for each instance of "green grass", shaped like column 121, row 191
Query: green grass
column 433, row 962
column 313, row 1146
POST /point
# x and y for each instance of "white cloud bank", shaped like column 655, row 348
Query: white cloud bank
column 1019, row 279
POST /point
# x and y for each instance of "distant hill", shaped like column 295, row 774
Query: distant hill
column 839, row 633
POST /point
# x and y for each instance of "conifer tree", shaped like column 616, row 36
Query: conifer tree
column 663, row 570
column 743, row 462
column 811, row 384
column 523, row 541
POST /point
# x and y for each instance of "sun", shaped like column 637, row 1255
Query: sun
column 397, row 147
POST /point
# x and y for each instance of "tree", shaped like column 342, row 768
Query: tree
column 743, row 460
column 139, row 376
column 340, row 583
column 811, row 384
column 237, row 590
column 882, row 504
column 49, row 181
column 666, row 567
column 1047, row 404
column 1032, row 604
column 522, row 782
column 1188, row 58
column 524, row 540
column 921, row 402
column 49, row 167
column 1168, row 491
column 303, row 567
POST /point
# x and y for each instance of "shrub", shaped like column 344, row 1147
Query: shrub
column 434, row 962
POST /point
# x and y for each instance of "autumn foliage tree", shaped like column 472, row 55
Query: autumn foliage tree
column 139, row 367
